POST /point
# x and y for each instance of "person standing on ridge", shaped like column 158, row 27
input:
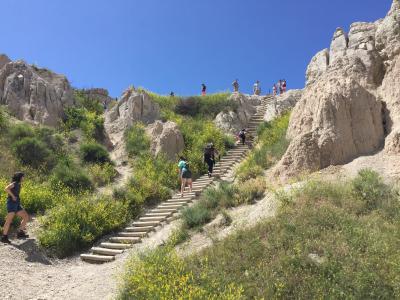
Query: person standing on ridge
column 284, row 85
column 274, row 89
column 14, row 208
column 256, row 88
column 280, row 87
column 235, row 85
column 172, row 94
column 185, row 174
column 209, row 157
column 203, row 89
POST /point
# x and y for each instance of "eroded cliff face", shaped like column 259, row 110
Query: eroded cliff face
column 351, row 100
column 34, row 94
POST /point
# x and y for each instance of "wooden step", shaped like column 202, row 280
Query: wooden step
column 115, row 246
column 97, row 258
column 105, row 251
column 162, row 214
column 145, row 224
column 127, row 240
column 172, row 204
column 133, row 234
column 164, row 210
column 177, row 207
column 188, row 200
column 139, row 229
column 150, row 219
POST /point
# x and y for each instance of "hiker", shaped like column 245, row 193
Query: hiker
column 172, row 94
column 242, row 136
column 185, row 174
column 203, row 89
column 256, row 88
column 14, row 208
column 274, row 89
column 209, row 157
column 235, row 85
column 284, row 85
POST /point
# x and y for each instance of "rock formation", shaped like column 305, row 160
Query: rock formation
column 98, row 94
column 351, row 100
column 165, row 138
column 132, row 107
column 281, row 104
column 34, row 94
column 4, row 60
column 234, row 121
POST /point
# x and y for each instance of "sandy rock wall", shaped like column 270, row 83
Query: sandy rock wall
column 34, row 94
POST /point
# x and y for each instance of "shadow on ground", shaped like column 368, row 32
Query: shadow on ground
column 33, row 252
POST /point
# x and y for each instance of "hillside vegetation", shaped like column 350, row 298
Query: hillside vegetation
column 64, row 166
column 338, row 239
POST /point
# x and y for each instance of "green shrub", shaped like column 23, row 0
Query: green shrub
column 369, row 187
column 162, row 274
column 37, row 198
column 67, row 174
column 136, row 140
column 251, row 190
column 92, row 152
column 205, row 106
column 214, row 200
column 221, row 196
column 91, row 122
column 77, row 222
column 31, row 152
column 88, row 103
column 102, row 174
column 133, row 200
column 52, row 140
column 179, row 236
column 196, row 215
column 3, row 119
column 20, row 131
column 153, row 178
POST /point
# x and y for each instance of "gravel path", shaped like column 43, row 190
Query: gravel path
column 28, row 274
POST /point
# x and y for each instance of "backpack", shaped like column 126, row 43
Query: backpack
column 242, row 134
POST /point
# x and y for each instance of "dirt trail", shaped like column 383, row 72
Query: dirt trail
column 28, row 274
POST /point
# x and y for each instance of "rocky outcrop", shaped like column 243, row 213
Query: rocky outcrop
column 97, row 94
column 233, row 121
column 281, row 104
column 331, row 127
column 387, row 39
column 4, row 60
column 34, row 94
column 165, row 138
column 318, row 65
column 390, row 94
column 132, row 107
column 351, row 100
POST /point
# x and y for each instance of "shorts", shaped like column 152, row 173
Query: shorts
column 186, row 174
column 14, row 206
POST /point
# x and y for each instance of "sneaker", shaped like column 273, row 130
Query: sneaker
column 22, row 235
column 4, row 239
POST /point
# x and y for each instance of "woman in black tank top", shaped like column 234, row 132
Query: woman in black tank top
column 14, row 208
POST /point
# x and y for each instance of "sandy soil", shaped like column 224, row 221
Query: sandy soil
column 26, row 273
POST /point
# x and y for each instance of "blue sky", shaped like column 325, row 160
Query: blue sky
column 175, row 45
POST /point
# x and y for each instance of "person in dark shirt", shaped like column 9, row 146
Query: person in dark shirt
column 209, row 157
column 14, row 207
column 203, row 89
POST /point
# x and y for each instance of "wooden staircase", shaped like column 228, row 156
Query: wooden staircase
column 168, row 210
